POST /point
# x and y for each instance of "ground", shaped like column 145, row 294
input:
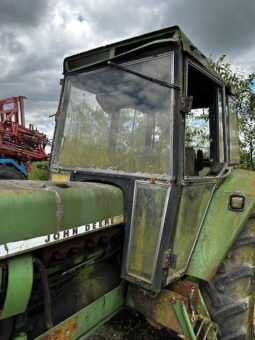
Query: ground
column 129, row 325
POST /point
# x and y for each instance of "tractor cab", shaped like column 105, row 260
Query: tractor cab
column 144, row 107
column 150, row 116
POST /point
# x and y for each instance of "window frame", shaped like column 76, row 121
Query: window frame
column 219, row 86
column 228, row 131
column 61, row 124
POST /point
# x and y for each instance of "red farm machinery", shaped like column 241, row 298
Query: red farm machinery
column 19, row 145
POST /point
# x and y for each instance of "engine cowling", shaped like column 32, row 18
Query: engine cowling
column 58, row 243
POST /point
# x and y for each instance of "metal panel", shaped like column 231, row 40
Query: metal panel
column 172, row 310
column 44, row 213
column 20, row 280
column 148, row 216
column 193, row 207
column 81, row 324
column 159, row 310
column 222, row 226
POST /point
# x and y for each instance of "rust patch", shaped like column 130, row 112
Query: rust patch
column 188, row 290
column 64, row 332
column 158, row 310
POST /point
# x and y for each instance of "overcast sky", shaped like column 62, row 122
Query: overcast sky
column 36, row 35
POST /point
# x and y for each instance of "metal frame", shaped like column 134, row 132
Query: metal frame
column 16, row 140
column 197, row 180
column 126, row 264
column 219, row 85
column 81, row 324
column 60, row 126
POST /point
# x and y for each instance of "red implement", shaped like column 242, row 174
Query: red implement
column 16, row 140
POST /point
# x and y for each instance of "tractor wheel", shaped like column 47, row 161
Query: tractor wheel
column 230, row 295
column 7, row 172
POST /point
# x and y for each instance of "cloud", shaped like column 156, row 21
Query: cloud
column 36, row 35
column 225, row 26
column 116, row 19
column 23, row 12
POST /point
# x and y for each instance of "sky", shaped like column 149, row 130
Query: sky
column 36, row 35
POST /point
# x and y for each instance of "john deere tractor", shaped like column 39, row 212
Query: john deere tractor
column 146, row 209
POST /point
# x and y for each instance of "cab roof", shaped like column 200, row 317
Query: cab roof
column 167, row 36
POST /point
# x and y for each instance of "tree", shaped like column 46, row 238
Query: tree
column 241, row 84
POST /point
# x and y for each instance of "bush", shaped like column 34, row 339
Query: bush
column 39, row 172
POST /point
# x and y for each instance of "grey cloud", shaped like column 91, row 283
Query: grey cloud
column 10, row 43
column 22, row 12
column 124, row 18
column 220, row 27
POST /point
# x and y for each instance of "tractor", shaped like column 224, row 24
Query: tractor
column 146, row 207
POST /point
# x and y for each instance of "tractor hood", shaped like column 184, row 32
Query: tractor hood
column 36, row 214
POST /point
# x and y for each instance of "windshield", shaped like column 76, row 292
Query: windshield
column 116, row 120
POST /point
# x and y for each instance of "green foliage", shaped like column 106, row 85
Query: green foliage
column 197, row 130
column 241, row 85
column 39, row 171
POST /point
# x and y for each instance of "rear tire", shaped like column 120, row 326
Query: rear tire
column 230, row 295
column 8, row 172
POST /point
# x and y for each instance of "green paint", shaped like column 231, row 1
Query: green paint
column 201, row 308
column 26, row 212
column 166, row 37
column 32, row 209
column 20, row 280
column 90, row 202
column 194, row 200
column 94, row 315
column 222, row 226
column 184, row 320
column 202, row 317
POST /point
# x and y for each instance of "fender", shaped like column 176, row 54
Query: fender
column 222, row 226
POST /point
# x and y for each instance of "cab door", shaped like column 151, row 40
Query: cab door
column 205, row 159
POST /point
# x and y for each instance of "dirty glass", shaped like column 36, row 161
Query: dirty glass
column 146, row 228
column 118, row 121
column 197, row 132
column 233, row 130
column 204, row 143
column 221, row 130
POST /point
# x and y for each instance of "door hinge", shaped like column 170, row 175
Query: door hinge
column 169, row 259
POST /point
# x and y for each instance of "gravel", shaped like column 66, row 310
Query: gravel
column 130, row 325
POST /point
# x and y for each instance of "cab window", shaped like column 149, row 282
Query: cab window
column 204, row 128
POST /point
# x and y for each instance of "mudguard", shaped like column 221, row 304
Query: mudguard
column 222, row 226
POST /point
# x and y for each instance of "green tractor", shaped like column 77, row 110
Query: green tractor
column 147, row 207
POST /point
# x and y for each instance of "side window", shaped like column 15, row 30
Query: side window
column 232, row 122
column 220, row 126
column 204, row 128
